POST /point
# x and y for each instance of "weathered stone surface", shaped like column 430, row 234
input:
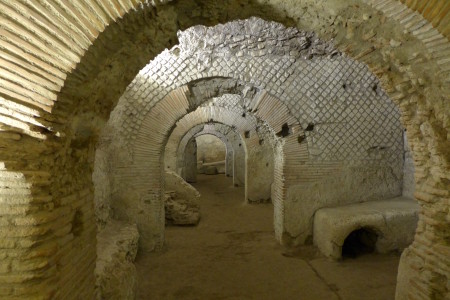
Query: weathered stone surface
column 115, row 272
column 181, row 201
column 395, row 221
column 83, row 66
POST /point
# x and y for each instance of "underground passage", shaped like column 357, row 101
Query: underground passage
column 194, row 149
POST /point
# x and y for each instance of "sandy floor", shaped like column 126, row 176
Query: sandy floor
column 232, row 254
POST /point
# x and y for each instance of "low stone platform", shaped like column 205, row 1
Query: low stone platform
column 115, row 273
column 393, row 220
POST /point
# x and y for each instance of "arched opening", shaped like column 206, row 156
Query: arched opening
column 222, row 117
column 359, row 242
column 211, row 155
column 49, row 159
column 303, row 168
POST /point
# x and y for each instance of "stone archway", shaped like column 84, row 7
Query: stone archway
column 136, row 185
column 253, row 141
column 367, row 141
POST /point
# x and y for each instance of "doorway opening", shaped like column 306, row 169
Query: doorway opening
column 211, row 155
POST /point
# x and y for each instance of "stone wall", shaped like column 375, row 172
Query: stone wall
column 408, row 171
column 210, row 149
column 189, row 164
column 347, row 121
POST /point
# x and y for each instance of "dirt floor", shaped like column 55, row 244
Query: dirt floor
column 232, row 254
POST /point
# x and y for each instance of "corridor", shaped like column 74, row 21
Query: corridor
column 232, row 254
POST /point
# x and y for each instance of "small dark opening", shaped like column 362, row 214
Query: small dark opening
column 301, row 138
column 359, row 242
column 247, row 134
column 285, row 130
column 310, row 127
column 240, row 145
column 244, row 115
column 261, row 141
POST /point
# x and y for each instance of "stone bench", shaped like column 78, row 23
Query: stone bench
column 393, row 220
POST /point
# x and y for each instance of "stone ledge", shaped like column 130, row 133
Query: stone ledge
column 394, row 220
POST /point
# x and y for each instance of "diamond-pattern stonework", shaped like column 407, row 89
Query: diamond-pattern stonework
column 351, row 113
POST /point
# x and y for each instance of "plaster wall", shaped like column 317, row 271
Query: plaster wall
column 259, row 169
column 210, row 149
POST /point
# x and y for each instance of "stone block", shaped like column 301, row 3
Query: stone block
column 116, row 276
column 393, row 220
column 181, row 201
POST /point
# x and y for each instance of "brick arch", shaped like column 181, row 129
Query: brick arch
column 211, row 115
column 24, row 168
column 223, row 129
column 139, row 191
column 251, row 130
column 221, row 136
column 204, row 114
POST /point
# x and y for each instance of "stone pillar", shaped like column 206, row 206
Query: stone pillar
column 259, row 171
column 229, row 162
column 238, row 164
column 190, row 161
